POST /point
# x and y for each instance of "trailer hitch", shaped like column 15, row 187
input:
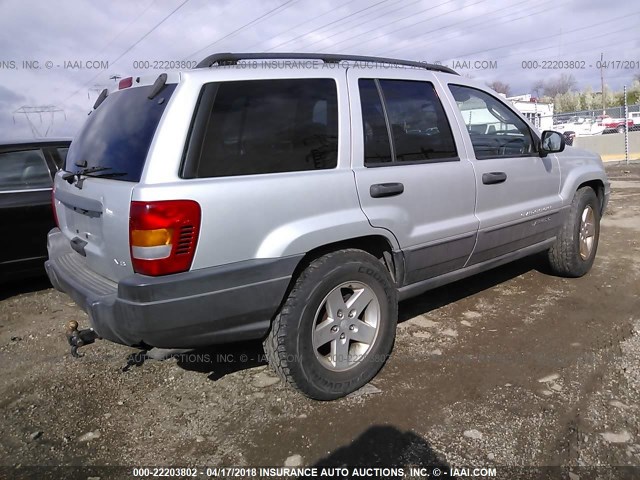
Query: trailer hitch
column 79, row 338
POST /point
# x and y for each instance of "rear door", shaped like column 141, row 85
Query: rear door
column 410, row 176
column 518, row 203
column 93, row 208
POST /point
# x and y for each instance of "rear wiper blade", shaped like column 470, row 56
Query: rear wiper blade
column 96, row 174
column 91, row 172
column 107, row 174
column 84, row 172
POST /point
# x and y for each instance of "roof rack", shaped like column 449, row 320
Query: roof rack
column 233, row 58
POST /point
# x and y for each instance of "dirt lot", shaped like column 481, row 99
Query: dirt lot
column 512, row 367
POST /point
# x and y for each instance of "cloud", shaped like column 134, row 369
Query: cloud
column 9, row 97
column 507, row 32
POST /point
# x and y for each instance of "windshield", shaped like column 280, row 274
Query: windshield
column 117, row 135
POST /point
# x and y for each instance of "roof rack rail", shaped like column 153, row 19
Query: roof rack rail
column 234, row 58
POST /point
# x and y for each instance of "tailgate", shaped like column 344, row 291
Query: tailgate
column 95, row 220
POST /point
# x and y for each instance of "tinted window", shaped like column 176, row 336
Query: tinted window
column 270, row 126
column 23, row 170
column 377, row 148
column 61, row 158
column 117, row 134
column 495, row 130
column 419, row 126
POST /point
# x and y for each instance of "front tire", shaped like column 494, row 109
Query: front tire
column 337, row 327
column 575, row 248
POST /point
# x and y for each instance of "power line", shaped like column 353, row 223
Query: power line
column 378, row 11
column 126, row 27
column 574, row 55
column 597, row 48
column 152, row 30
column 252, row 22
column 544, row 38
column 361, row 23
column 492, row 21
column 326, row 25
column 332, row 10
column 395, row 21
column 407, row 26
column 109, row 44
column 128, row 49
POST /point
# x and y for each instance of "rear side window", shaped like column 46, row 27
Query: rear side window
column 419, row 126
column 24, row 170
column 411, row 111
column 269, row 126
column 377, row 147
column 118, row 133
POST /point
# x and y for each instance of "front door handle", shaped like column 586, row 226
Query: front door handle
column 386, row 189
column 492, row 178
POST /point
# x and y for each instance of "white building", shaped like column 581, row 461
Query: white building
column 538, row 113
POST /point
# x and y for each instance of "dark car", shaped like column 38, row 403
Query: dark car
column 26, row 172
column 569, row 136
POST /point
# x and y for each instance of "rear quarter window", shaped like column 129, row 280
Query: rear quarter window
column 117, row 135
column 268, row 126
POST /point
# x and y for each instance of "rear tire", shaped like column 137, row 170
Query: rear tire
column 337, row 327
column 575, row 248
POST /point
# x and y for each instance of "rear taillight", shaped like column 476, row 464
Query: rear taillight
column 163, row 236
column 53, row 206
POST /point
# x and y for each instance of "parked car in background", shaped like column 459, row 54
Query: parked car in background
column 635, row 118
column 612, row 125
column 581, row 126
column 569, row 136
column 26, row 179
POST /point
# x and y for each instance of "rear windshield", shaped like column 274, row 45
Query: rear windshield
column 118, row 133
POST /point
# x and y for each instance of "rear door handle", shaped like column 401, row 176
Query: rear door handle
column 386, row 189
column 492, row 178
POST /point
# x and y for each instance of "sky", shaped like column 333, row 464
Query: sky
column 60, row 55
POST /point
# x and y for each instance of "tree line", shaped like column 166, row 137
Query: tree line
column 562, row 92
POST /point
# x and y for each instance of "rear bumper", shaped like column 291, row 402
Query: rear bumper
column 203, row 307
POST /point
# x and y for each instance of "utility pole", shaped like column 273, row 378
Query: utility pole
column 626, row 126
column 602, row 81
column 28, row 111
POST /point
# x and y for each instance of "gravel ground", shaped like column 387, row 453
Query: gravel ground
column 513, row 367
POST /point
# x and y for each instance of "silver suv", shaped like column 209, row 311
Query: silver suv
column 296, row 198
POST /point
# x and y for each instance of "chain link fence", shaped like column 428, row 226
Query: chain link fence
column 594, row 116
column 602, row 133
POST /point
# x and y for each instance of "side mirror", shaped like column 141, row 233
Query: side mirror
column 551, row 142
